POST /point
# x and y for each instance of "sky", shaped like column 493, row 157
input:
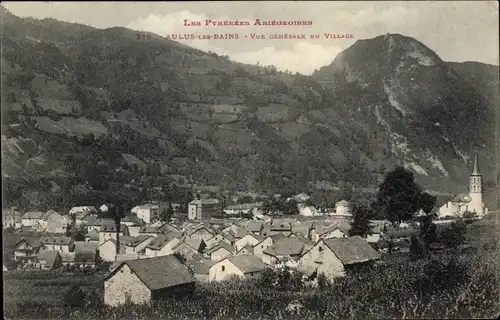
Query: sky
column 457, row 31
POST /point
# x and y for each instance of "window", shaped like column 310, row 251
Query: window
column 60, row 247
column 320, row 249
column 223, row 268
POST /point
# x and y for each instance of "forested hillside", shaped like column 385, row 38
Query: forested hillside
column 89, row 112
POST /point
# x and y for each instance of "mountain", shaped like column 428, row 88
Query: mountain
column 88, row 110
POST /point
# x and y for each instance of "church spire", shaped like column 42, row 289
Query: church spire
column 475, row 171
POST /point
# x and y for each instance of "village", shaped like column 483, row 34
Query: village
column 147, row 255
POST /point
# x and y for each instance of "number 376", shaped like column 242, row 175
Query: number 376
column 143, row 36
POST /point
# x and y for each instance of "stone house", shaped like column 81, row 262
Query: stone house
column 145, row 280
column 258, row 249
column 212, row 242
column 248, row 249
column 92, row 222
column 11, row 218
column 220, row 251
column 138, row 244
column 27, row 247
column 61, row 244
column 281, row 226
column 147, row 212
column 200, row 269
column 31, row 219
column 309, row 211
column 203, row 233
column 162, row 245
column 108, row 231
column 150, row 231
column 244, row 266
column 254, row 227
column 334, row 256
column 55, row 222
column 48, row 260
column 92, row 236
column 107, row 249
column 326, row 233
column 188, row 252
column 285, row 249
column 203, row 209
column 250, row 239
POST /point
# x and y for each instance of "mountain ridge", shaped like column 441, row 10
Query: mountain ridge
column 202, row 117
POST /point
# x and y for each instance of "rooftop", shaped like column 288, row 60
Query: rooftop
column 247, row 263
column 159, row 272
column 351, row 250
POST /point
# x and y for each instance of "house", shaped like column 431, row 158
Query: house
column 162, row 245
column 284, row 249
column 48, row 260
column 12, row 218
column 138, row 244
column 92, row 222
column 188, row 252
column 303, row 228
column 254, row 227
column 244, row 266
column 107, row 249
column 250, row 239
column 27, row 247
column 334, row 256
column 132, row 220
column 31, row 219
column 309, row 211
column 342, row 209
column 145, row 280
column 202, row 233
column 248, row 249
column 150, row 231
column 326, row 232
column 220, row 251
column 79, row 213
column 203, row 209
column 300, row 198
column 82, row 259
column 200, row 269
column 216, row 239
column 467, row 202
column 243, row 208
column 282, row 226
column 258, row 249
column 84, row 246
column 61, row 244
column 147, row 212
column 92, row 236
column 108, row 231
column 83, row 209
column 55, row 222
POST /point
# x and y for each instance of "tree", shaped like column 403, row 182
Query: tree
column 427, row 230
column 427, row 202
column 399, row 197
column 116, row 212
column 454, row 235
column 75, row 297
column 290, row 207
column 360, row 225
column 415, row 248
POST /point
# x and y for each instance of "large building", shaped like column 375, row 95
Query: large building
column 471, row 202
column 203, row 209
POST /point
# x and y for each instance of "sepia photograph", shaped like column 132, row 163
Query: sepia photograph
column 250, row 160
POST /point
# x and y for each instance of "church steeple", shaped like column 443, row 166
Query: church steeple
column 475, row 171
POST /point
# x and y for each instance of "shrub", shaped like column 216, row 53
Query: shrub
column 75, row 297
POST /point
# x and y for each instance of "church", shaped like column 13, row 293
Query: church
column 471, row 202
